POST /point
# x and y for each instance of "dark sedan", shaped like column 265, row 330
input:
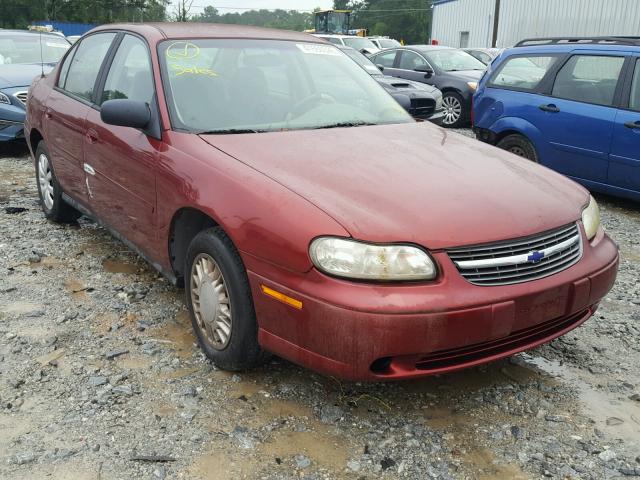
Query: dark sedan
column 423, row 102
column 453, row 71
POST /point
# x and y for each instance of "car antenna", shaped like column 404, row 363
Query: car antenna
column 41, row 57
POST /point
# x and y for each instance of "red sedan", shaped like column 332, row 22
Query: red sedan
column 304, row 211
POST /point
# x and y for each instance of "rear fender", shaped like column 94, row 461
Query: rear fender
column 509, row 125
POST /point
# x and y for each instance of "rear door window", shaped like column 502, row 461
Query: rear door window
column 86, row 64
column 589, row 79
column 522, row 73
column 64, row 69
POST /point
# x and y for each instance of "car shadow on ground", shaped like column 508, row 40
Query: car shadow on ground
column 17, row 148
column 617, row 202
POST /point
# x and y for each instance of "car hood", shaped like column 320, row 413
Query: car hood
column 400, row 84
column 21, row 75
column 468, row 75
column 412, row 183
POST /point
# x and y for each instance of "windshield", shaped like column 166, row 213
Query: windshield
column 388, row 43
column 242, row 86
column 25, row 48
column 451, row 60
column 359, row 43
column 363, row 61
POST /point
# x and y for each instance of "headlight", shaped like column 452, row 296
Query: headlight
column 591, row 218
column 4, row 99
column 351, row 259
column 473, row 86
column 438, row 102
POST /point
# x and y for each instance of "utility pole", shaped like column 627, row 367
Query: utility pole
column 496, row 23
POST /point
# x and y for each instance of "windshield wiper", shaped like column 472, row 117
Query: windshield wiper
column 345, row 124
column 230, row 131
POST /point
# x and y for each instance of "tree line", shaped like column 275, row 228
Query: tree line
column 407, row 20
column 20, row 13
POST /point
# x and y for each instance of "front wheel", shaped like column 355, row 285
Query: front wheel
column 455, row 112
column 50, row 191
column 520, row 146
column 220, row 303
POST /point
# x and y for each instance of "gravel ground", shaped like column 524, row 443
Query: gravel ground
column 100, row 378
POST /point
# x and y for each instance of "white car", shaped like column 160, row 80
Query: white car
column 361, row 44
column 384, row 42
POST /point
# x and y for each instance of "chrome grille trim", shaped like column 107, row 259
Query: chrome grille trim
column 22, row 96
column 507, row 263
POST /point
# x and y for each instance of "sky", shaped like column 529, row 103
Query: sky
column 258, row 4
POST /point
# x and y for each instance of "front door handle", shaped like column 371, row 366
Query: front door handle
column 633, row 125
column 89, row 169
column 549, row 108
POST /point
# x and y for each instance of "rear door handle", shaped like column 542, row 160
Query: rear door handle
column 92, row 136
column 549, row 108
column 633, row 125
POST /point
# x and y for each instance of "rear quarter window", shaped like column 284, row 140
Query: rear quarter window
column 522, row 73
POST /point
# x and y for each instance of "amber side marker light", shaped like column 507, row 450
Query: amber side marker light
column 281, row 297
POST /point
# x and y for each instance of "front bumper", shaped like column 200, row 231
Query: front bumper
column 437, row 117
column 379, row 332
column 11, row 119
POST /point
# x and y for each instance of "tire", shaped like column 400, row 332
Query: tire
column 456, row 114
column 50, row 191
column 520, row 146
column 219, row 300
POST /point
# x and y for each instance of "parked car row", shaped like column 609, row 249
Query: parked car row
column 23, row 56
column 305, row 212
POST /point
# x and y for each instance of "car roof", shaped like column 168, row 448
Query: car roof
column 30, row 32
column 564, row 48
column 428, row 47
column 569, row 44
column 181, row 30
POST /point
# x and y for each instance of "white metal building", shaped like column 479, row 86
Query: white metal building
column 470, row 23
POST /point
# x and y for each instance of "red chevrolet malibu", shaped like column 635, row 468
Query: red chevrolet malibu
column 304, row 211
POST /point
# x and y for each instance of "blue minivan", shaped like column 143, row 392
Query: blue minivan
column 571, row 104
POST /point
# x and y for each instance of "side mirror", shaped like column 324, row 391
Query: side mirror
column 426, row 69
column 126, row 113
column 380, row 67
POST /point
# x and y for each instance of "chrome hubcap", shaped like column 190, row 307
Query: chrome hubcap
column 452, row 110
column 45, row 180
column 210, row 300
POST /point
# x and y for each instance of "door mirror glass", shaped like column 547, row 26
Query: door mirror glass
column 126, row 113
column 380, row 67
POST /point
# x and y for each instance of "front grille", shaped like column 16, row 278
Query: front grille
column 22, row 96
column 422, row 107
column 520, row 260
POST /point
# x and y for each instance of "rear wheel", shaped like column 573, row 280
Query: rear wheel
column 520, row 146
column 455, row 113
column 53, row 206
column 220, row 302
